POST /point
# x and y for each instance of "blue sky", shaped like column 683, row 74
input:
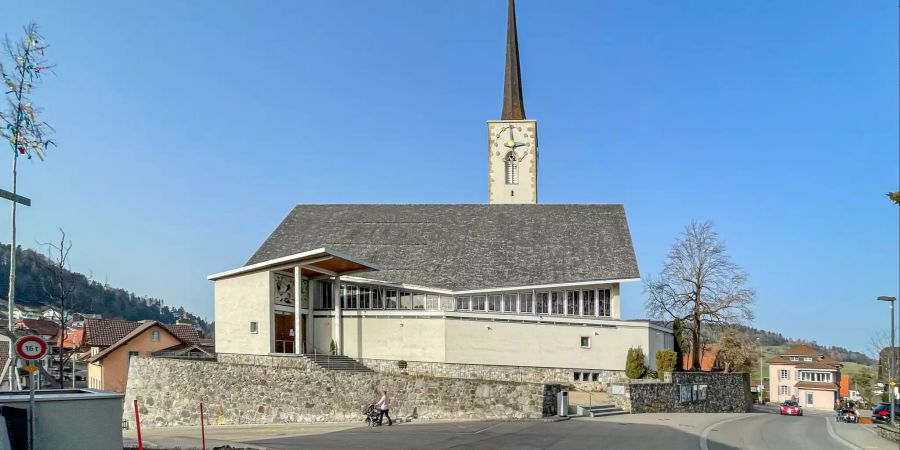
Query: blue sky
column 188, row 130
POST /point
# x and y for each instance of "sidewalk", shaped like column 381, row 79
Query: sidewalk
column 858, row 435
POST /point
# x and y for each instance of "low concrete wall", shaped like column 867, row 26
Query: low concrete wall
column 700, row 392
column 520, row 374
column 241, row 389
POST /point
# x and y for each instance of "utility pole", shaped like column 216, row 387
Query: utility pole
column 891, row 378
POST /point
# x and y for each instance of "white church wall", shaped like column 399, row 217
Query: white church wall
column 542, row 345
column 322, row 334
column 394, row 338
column 239, row 301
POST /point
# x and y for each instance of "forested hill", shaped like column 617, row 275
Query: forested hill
column 88, row 296
column 769, row 338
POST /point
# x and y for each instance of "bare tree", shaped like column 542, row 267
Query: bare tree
column 736, row 352
column 878, row 349
column 21, row 127
column 58, row 284
column 699, row 284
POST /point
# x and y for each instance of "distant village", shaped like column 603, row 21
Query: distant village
column 93, row 351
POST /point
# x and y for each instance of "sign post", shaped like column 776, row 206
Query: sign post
column 31, row 349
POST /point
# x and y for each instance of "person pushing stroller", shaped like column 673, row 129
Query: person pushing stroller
column 384, row 407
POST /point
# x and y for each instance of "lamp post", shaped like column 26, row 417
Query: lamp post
column 891, row 300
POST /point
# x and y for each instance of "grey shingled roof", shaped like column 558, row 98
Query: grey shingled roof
column 462, row 247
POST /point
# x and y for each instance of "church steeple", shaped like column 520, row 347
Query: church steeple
column 513, row 103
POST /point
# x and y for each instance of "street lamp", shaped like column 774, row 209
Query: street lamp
column 891, row 300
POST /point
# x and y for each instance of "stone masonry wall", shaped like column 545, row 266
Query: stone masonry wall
column 244, row 389
column 725, row 392
column 500, row 373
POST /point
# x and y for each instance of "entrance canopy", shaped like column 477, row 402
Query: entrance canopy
column 321, row 261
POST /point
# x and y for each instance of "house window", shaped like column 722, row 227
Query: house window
column 494, row 302
column 254, row 327
column 154, row 336
column 572, row 303
column 577, row 376
column 433, row 302
column 557, row 302
column 807, row 358
column 512, row 168
column 542, row 302
column 604, row 304
column 795, row 358
column 585, row 342
column 418, row 301
column 509, row 303
column 784, row 390
column 462, row 303
column 819, row 377
column 478, row 303
column 390, row 299
column 525, row 303
column 783, row 374
column 587, row 302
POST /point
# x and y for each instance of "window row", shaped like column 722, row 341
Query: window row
column 820, row 377
column 587, row 302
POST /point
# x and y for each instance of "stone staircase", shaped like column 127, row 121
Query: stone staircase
column 337, row 362
column 599, row 410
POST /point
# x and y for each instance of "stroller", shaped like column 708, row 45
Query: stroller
column 849, row 415
column 373, row 416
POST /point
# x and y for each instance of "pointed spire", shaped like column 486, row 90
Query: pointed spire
column 513, row 103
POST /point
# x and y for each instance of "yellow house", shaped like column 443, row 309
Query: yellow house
column 114, row 342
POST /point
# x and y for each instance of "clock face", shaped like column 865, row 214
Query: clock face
column 515, row 137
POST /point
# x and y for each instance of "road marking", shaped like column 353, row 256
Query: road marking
column 705, row 436
column 835, row 435
column 488, row 428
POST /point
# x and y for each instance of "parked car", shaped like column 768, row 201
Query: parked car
column 882, row 411
column 791, row 408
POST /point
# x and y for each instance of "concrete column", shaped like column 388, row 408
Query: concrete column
column 337, row 326
column 310, row 335
column 298, row 289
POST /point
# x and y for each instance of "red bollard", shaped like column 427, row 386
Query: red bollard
column 202, row 428
column 137, row 421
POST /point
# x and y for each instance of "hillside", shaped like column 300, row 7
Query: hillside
column 88, row 296
column 774, row 342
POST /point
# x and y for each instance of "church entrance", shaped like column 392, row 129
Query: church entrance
column 284, row 332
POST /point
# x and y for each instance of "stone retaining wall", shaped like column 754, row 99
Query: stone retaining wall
column 243, row 389
column 887, row 432
column 500, row 373
column 706, row 392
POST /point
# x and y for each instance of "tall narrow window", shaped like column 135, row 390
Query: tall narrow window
column 462, row 303
column 604, row 304
column 509, row 303
column 557, row 302
column 572, row 303
column 543, row 302
column 512, row 168
column 588, row 299
column 525, row 302
column 390, row 297
column 478, row 303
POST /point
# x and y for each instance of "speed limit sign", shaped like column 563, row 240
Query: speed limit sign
column 31, row 348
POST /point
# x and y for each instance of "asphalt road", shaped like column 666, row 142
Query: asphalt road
column 497, row 435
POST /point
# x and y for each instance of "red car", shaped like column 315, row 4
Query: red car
column 791, row 408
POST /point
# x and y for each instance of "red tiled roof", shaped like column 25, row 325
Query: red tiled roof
column 39, row 326
column 815, row 385
column 106, row 332
column 801, row 350
column 74, row 339
column 708, row 357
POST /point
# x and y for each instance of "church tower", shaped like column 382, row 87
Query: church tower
column 512, row 140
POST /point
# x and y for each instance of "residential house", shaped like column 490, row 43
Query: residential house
column 112, row 343
column 709, row 359
column 50, row 313
column 805, row 374
column 46, row 329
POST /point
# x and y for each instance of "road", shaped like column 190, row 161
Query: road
column 770, row 431
column 762, row 430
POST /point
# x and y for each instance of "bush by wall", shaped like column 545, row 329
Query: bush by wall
column 634, row 364
column 665, row 361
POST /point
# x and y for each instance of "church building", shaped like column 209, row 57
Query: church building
column 512, row 289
